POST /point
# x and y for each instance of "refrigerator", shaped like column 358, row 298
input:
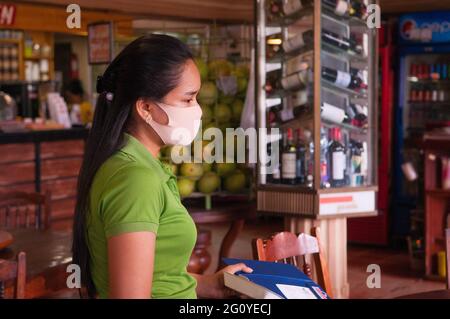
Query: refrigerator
column 423, row 97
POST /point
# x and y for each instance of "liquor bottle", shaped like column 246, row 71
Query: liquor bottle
column 293, row 6
column 288, row 160
column 300, row 167
column 343, row 79
column 341, row 42
column 324, row 176
column 336, row 158
column 298, row 41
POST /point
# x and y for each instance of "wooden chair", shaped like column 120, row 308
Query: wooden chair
column 13, row 270
column 25, row 210
column 447, row 257
column 285, row 247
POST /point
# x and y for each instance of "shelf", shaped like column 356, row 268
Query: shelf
column 38, row 58
column 346, row 126
column 283, row 57
column 339, row 90
column 291, row 19
column 438, row 192
column 339, row 53
column 415, row 80
column 327, row 13
column 430, row 104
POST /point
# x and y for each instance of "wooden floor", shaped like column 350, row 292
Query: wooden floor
column 396, row 277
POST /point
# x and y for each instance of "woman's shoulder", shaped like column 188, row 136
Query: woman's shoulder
column 123, row 170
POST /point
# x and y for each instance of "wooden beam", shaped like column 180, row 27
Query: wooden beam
column 47, row 18
column 223, row 10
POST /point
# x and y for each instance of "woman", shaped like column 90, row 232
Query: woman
column 132, row 236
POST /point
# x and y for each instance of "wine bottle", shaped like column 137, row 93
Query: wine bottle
column 339, row 7
column 356, row 150
column 272, row 82
column 324, row 179
column 333, row 114
column 288, row 160
column 298, row 41
column 300, row 168
column 293, row 6
column 341, row 42
column 354, row 8
column 274, row 10
column 343, row 79
column 280, row 116
column 274, row 45
column 274, row 176
column 295, row 81
column 357, row 114
column 358, row 9
column 337, row 158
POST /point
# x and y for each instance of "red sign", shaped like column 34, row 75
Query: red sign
column 7, row 14
column 100, row 42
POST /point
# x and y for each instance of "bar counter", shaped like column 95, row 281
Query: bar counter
column 41, row 161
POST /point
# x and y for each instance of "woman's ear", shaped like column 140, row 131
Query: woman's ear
column 144, row 109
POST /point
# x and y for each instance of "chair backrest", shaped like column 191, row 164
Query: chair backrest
column 447, row 255
column 14, row 271
column 25, row 210
column 287, row 248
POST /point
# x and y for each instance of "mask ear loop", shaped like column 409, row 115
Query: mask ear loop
column 148, row 118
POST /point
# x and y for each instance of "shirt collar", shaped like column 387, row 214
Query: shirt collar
column 142, row 155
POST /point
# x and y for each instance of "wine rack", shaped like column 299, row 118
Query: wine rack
column 316, row 69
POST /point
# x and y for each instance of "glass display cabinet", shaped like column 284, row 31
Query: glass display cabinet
column 316, row 69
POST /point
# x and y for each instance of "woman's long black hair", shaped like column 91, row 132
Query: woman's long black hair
column 149, row 67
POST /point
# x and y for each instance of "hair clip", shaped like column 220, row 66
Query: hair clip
column 109, row 96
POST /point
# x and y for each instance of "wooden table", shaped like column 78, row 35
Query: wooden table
column 48, row 254
column 235, row 213
column 436, row 294
column 5, row 239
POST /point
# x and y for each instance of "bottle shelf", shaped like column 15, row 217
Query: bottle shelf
column 351, row 20
column 362, row 94
column 310, row 145
column 291, row 19
column 341, row 53
column 284, row 57
column 346, row 126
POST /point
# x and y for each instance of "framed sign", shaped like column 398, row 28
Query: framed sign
column 100, row 42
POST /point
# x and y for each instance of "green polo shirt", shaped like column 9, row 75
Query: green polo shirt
column 132, row 192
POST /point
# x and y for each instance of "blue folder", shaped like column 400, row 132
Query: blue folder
column 269, row 274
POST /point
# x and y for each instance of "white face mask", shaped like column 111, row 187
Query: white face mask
column 183, row 126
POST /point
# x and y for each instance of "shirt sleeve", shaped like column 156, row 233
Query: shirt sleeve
column 132, row 201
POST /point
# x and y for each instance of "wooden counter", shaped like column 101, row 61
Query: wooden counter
column 41, row 161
